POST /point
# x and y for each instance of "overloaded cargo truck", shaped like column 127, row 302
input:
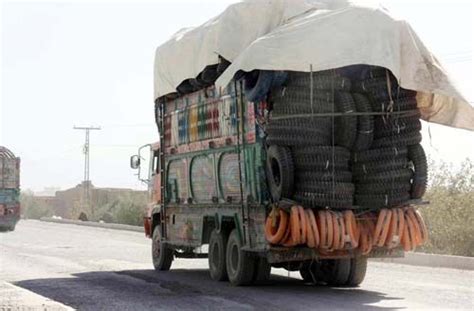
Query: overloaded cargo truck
column 9, row 189
column 284, row 145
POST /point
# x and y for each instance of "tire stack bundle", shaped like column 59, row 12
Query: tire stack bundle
column 394, row 169
column 319, row 146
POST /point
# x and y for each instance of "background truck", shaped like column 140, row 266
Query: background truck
column 9, row 189
column 287, row 146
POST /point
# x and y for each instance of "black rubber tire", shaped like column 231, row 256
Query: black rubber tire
column 357, row 272
column 209, row 74
column 380, row 154
column 306, row 275
column 277, row 130
column 340, row 154
column 327, row 80
column 301, row 96
column 320, row 164
column 262, row 271
column 222, row 66
column 12, row 227
column 292, row 140
column 396, row 126
column 381, row 188
column 280, row 171
column 346, row 126
column 240, row 264
column 377, row 88
column 400, row 175
column 389, row 199
column 365, row 123
column 417, row 156
column 321, row 200
column 344, row 189
column 403, row 104
column 408, row 139
column 162, row 254
column 323, row 125
column 336, row 272
column 368, row 168
column 323, row 176
column 257, row 83
column 217, row 256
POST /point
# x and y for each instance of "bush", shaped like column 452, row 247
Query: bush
column 128, row 209
column 33, row 208
column 449, row 216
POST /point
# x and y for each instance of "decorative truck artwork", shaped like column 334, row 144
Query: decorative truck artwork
column 9, row 189
column 299, row 156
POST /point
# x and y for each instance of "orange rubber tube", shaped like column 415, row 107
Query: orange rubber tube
column 409, row 236
column 309, row 230
column 416, row 228
column 274, row 234
column 382, row 227
column 323, row 236
column 340, row 227
column 352, row 230
column 295, row 225
column 422, row 225
column 303, row 225
column 313, row 228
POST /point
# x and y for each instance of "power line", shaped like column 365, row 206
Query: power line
column 86, row 183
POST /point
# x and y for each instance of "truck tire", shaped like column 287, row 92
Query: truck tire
column 401, row 104
column 262, row 271
column 240, row 264
column 336, row 272
column 280, row 172
column 365, row 123
column 380, row 154
column 399, row 175
column 322, row 176
column 417, row 156
column 162, row 254
column 346, row 126
column 396, row 126
column 322, row 187
column 357, row 271
column 328, row 80
column 388, row 199
column 289, row 139
column 404, row 139
column 327, row 199
column 216, row 256
column 258, row 82
column 378, row 188
column 367, row 168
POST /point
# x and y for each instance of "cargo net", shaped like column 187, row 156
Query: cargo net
column 344, row 140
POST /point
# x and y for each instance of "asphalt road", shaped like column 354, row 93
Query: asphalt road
column 57, row 266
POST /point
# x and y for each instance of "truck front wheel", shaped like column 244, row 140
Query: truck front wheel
column 240, row 265
column 217, row 255
column 162, row 254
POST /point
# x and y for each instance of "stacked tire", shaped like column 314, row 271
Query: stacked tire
column 394, row 169
column 319, row 146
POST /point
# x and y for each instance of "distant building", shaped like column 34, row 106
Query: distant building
column 68, row 203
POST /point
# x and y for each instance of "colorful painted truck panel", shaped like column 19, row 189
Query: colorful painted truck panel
column 9, row 189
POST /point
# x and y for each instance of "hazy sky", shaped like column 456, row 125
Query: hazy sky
column 82, row 63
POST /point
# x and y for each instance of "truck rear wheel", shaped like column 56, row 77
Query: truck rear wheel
column 262, row 271
column 217, row 255
column 240, row 265
column 357, row 271
column 162, row 254
column 336, row 272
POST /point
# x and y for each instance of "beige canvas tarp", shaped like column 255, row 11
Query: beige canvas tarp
column 298, row 35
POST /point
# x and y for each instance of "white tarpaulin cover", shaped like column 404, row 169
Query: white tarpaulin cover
column 296, row 34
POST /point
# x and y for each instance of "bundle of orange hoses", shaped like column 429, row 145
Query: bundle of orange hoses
column 329, row 230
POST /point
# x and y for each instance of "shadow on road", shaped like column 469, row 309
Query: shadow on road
column 193, row 289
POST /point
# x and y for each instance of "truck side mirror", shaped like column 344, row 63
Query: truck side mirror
column 135, row 162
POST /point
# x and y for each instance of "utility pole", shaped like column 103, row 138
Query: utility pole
column 86, row 199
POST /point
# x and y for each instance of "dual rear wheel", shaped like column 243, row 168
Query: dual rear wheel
column 228, row 261
column 348, row 272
